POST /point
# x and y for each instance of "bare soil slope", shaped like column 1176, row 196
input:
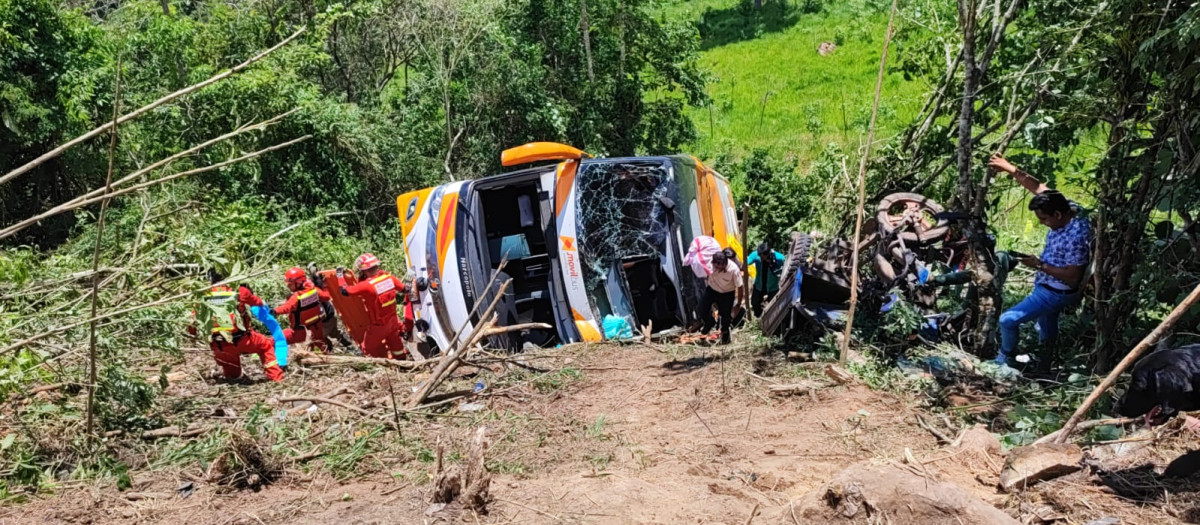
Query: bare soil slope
column 592, row 434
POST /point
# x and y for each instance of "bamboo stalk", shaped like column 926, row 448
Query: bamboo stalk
column 181, row 174
column 138, row 112
column 862, row 196
column 112, row 148
column 455, row 352
column 1146, row 343
column 115, row 313
column 73, row 203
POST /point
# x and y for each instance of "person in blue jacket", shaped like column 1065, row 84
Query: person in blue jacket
column 768, row 264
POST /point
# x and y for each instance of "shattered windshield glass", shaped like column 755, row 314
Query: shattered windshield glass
column 623, row 212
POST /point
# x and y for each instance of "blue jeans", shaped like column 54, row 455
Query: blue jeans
column 1042, row 306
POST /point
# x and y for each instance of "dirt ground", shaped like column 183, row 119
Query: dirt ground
column 586, row 434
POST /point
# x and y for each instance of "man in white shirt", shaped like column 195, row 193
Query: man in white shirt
column 724, row 289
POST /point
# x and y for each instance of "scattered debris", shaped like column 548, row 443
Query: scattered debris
column 882, row 494
column 245, row 464
column 1031, row 464
column 1034, row 513
column 826, row 48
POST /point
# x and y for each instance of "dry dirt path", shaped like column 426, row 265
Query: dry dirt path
column 632, row 434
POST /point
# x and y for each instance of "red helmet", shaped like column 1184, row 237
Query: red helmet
column 295, row 275
column 366, row 261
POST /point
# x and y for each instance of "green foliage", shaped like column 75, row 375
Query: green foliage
column 125, row 401
column 901, row 321
column 778, row 197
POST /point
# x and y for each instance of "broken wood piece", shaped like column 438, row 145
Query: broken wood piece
column 328, row 395
column 138, row 496
column 328, row 401
column 941, row 437
column 838, row 374
column 516, row 328
column 449, row 363
column 171, row 431
column 468, row 483
column 456, row 353
column 1028, row 465
column 795, row 388
column 753, row 511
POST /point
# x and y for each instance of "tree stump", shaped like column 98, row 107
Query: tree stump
column 469, row 483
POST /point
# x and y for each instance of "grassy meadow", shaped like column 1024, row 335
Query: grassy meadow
column 772, row 89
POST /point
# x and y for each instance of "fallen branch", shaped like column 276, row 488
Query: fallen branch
column 1088, row 425
column 308, row 358
column 795, row 388
column 138, row 496
column 327, row 395
column 941, row 436
column 102, row 317
column 456, row 353
column 516, row 328
column 171, row 431
column 327, row 401
column 450, row 364
column 1134, row 354
column 138, row 112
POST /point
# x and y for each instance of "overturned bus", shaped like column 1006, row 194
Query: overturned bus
column 589, row 242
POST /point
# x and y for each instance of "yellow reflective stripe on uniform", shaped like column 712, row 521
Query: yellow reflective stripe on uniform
column 271, row 364
column 389, row 303
column 311, row 320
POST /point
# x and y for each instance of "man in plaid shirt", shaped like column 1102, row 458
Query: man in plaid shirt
column 1060, row 268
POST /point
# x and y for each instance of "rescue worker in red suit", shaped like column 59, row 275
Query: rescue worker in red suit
column 379, row 291
column 232, row 336
column 305, row 309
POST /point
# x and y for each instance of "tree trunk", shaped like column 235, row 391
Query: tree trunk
column 587, row 39
column 967, row 20
column 984, row 311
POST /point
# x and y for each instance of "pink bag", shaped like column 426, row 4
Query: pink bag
column 699, row 255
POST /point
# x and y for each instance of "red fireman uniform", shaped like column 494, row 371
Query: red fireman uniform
column 304, row 313
column 379, row 294
column 232, row 336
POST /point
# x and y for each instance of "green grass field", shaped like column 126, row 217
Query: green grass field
column 772, row 89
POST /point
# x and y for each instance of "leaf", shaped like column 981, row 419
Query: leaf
column 7, row 441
